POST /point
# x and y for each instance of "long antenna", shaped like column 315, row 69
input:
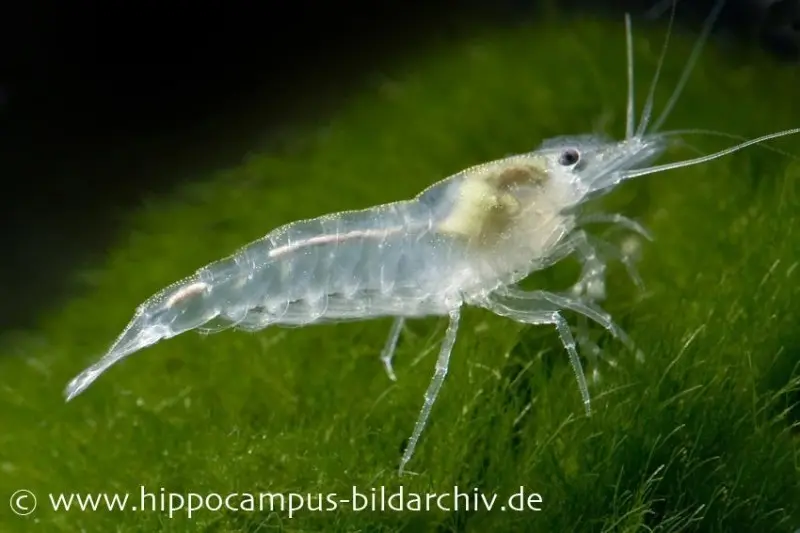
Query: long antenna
column 698, row 47
column 703, row 159
column 714, row 133
column 648, row 105
column 630, row 123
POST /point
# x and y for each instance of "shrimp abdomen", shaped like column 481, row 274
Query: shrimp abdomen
column 350, row 266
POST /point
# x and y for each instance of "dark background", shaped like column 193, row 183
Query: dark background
column 93, row 93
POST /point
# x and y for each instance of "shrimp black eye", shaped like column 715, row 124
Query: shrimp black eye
column 569, row 157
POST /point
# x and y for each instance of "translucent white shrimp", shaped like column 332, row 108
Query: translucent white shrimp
column 466, row 240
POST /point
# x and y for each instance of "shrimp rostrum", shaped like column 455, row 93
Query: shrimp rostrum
column 466, row 240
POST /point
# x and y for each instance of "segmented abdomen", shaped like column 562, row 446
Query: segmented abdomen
column 383, row 261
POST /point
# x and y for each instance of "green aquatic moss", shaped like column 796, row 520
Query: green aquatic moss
column 698, row 437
